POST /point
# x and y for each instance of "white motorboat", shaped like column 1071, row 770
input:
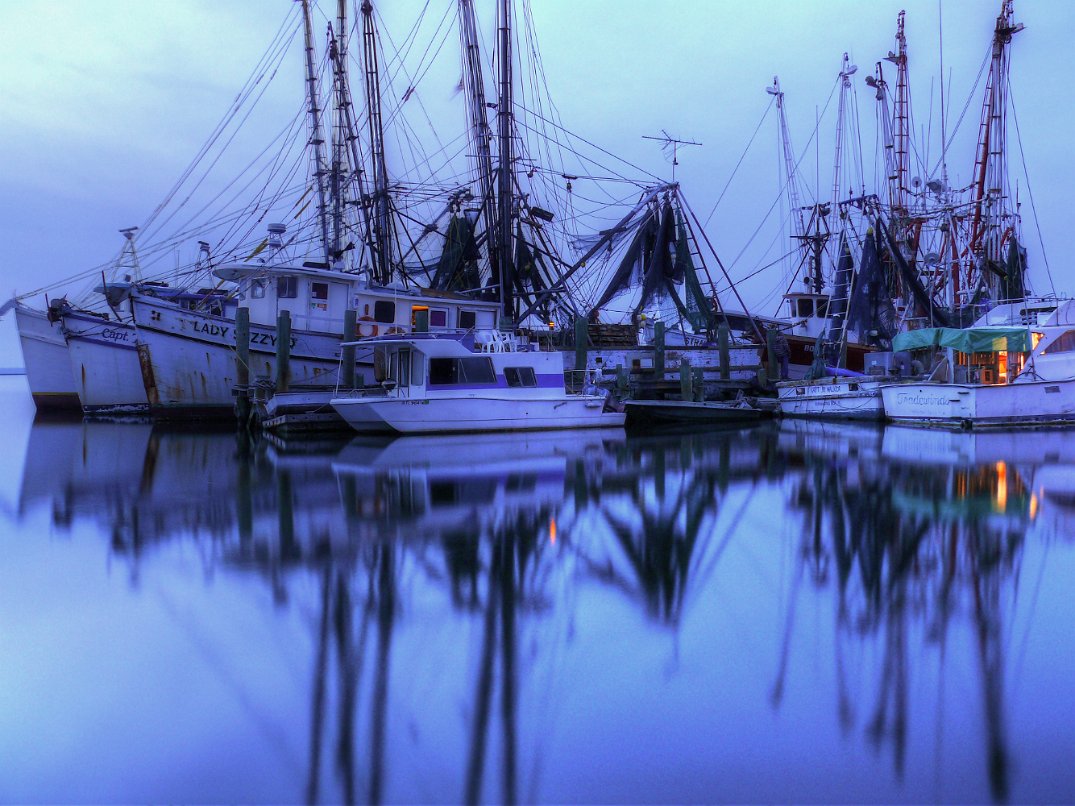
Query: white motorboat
column 1005, row 376
column 431, row 383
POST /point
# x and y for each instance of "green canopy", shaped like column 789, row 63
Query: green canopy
column 966, row 340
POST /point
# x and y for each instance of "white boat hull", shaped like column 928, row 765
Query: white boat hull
column 192, row 360
column 833, row 398
column 1031, row 403
column 104, row 360
column 47, row 360
column 474, row 413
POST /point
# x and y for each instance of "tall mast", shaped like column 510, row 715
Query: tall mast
column 316, row 138
column 901, row 119
column 480, row 134
column 990, row 164
column 505, row 194
column 846, row 71
column 381, row 240
column 347, row 134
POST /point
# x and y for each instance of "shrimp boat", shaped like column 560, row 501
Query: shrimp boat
column 46, row 358
column 1002, row 376
column 434, row 383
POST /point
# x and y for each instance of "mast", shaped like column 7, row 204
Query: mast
column 901, row 119
column 505, row 195
column 846, row 71
column 316, row 138
column 990, row 164
column 480, row 134
column 347, row 132
column 381, row 241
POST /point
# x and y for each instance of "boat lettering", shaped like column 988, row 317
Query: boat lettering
column 211, row 329
column 114, row 334
column 921, row 399
column 267, row 340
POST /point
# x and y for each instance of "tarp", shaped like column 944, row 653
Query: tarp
column 966, row 340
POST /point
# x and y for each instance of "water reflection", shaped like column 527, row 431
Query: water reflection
column 445, row 582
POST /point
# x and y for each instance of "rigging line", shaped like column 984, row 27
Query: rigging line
column 594, row 145
column 750, row 142
column 286, row 133
column 274, row 51
column 948, row 140
column 638, row 183
column 1030, row 192
column 147, row 228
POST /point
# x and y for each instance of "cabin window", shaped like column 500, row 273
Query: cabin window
column 448, row 371
column 403, row 368
column 257, row 289
column 1063, row 344
column 822, row 308
column 806, row 307
column 467, row 320
column 319, row 291
column 520, row 376
column 438, row 317
column 287, row 287
column 418, row 367
column 384, row 311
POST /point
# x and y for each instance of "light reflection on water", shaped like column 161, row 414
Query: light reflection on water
column 795, row 612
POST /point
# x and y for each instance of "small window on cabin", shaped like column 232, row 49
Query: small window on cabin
column 806, row 307
column 477, row 370
column 823, row 308
column 467, row 320
column 257, row 289
column 287, row 287
column 438, row 317
column 403, row 368
column 384, row 311
column 520, row 376
column 1063, row 344
column 443, row 371
column 319, row 291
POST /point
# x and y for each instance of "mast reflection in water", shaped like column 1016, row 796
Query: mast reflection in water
column 799, row 612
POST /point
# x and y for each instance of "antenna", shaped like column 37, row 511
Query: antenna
column 671, row 143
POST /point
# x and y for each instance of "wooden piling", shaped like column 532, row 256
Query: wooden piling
column 283, row 351
column 770, row 351
column 421, row 321
column 582, row 337
column 347, row 354
column 685, row 390
column 723, row 345
column 697, row 384
column 658, row 350
column 242, row 364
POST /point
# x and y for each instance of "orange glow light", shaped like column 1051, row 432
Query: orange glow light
column 552, row 531
column 1002, row 487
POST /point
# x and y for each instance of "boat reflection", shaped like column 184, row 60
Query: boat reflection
column 440, row 576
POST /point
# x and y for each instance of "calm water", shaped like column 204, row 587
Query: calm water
column 793, row 612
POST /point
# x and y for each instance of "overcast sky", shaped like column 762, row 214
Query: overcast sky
column 105, row 102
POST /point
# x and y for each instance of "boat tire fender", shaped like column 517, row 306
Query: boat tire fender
column 366, row 327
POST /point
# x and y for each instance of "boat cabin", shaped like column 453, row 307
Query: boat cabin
column 433, row 366
column 808, row 312
column 317, row 298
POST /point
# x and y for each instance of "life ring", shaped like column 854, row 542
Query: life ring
column 366, row 327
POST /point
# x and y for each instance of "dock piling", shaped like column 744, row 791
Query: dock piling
column 723, row 345
column 242, row 364
column 283, row 351
column 347, row 354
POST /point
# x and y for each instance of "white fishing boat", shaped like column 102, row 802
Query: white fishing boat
column 436, row 384
column 104, row 363
column 47, row 360
column 1003, row 376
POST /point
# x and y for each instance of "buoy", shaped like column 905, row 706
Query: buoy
column 366, row 327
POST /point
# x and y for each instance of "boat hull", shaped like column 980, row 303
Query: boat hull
column 190, row 367
column 669, row 412
column 474, row 413
column 104, row 361
column 833, row 399
column 953, row 405
column 47, row 360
